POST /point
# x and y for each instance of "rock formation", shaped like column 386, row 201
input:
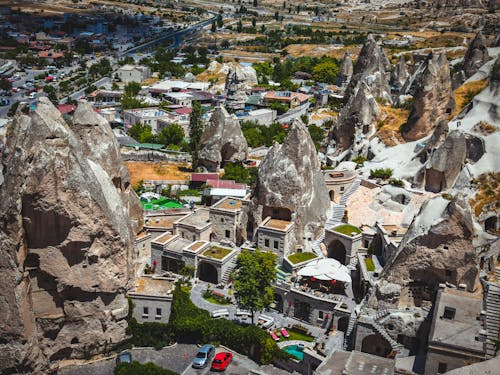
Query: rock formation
column 238, row 80
column 374, row 68
column 433, row 99
column 399, row 74
column 437, row 248
column 446, row 163
column 345, row 71
column 476, row 55
column 356, row 119
column 290, row 180
column 221, row 141
column 66, row 241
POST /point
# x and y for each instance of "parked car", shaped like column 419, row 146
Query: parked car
column 32, row 95
column 221, row 361
column 4, row 101
column 125, row 357
column 203, row 356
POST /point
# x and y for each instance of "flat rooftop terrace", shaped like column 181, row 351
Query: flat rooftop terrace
column 229, row 204
column 154, row 287
column 276, row 224
column 198, row 219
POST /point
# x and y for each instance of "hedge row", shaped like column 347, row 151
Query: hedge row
column 190, row 324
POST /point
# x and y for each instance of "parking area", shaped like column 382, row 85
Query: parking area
column 240, row 365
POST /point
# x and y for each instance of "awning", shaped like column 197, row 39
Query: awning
column 326, row 269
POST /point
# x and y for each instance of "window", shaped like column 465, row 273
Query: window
column 367, row 244
column 228, row 234
column 449, row 313
column 276, row 244
column 266, row 242
column 221, row 219
column 145, row 311
column 320, row 315
column 442, row 367
column 448, row 273
column 342, row 188
column 158, row 311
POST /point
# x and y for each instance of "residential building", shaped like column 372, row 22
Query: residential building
column 152, row 298
column 262, row 116
column 147, row 116
column 194, row 226
column 218, row 189
column 133, row 73
column 291, row 99
column 457, row 337
column 225, row 216
column 276, row 235
column 180, row 98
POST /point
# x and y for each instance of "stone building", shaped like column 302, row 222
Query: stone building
column 194, row 226
column 277, row 236
column 226, row 217
column 152, row 298
column 457, row 337
column 337, row 182
column 343, row 242
column 355, row 363
column 133, row 73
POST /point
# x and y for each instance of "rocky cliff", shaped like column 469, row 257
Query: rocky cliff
column 221, row 141
column 433, row 99
column 356, row 119
column 476, row 55
column 374, row 68
column 290, row 181
column 66, row 239
column 399, row 74
column 345, row 70
column 238, row 80
column 437, row 248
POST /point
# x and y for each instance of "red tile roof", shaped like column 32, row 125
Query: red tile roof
column 66, row 108
column 204, row 177
column 183, row 111
column 225, row 184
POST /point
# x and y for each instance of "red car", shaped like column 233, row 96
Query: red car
column 221, row 361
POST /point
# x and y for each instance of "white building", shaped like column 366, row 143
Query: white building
column 133, row 73
column 261, row 116
column 146, row 116
column 179, row 98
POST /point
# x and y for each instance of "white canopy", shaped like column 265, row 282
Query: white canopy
column 326, row 269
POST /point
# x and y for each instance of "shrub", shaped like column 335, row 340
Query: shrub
column 370, row 266
column 447, row 196
column 191, row 324
column 396, row 182
column 383, row 173
column 360, row 160
column 300, row 329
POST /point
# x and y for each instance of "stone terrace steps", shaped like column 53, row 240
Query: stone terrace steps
column 492, row 318
column 339, row 209
column 229, row 270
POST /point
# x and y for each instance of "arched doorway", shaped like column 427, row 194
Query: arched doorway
column 337, row 250
column 377, row 345
column 207, row 272
column 332, row 195
column 342, row 324
column 490, row 224
column 302, row 310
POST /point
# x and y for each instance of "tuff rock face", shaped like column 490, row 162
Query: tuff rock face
column 374, row 68
column 221, row 141
column 446, row 163
column 399, row 74
column 345, row 71
column 432, row 99
column 438, row 240
column 476, row 55
column 290, row 177
column 66, row 242
column 356, row 118
column 238, row 80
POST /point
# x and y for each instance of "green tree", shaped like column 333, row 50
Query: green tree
column 132, row 88
column 317, row 135
column 51, row 93
column 195, row 132
column 5, row 84
column 12, row 109
column 255, row 271
column 325, row 72
column 238, row 173
column 141, row 133
column 171, row 135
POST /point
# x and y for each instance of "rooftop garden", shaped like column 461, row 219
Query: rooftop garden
column 370, row 266
column 216, row 252
column 347, row 229
column 301, row 257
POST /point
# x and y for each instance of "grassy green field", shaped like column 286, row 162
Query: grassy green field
column 160, row 204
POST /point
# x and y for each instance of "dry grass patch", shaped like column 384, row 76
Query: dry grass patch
column 484, row 128
column 465, row 93
column 157, row 171
column 389, row 125
column 319, row 50
column 488, row 193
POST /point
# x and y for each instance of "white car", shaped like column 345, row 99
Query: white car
column 32, row 95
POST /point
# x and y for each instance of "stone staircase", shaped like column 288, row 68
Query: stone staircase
column 353, row 263
column 381, row 314
column 348, row 332
column 394, row 344
column 338, row 210
column 492, row 317
column 231, row 266
column 316, row 245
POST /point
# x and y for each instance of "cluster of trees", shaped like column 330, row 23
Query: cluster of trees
column 259, row 135
column 101, row 69
column 171, row 136
column 322, row 69
column 241, row 174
